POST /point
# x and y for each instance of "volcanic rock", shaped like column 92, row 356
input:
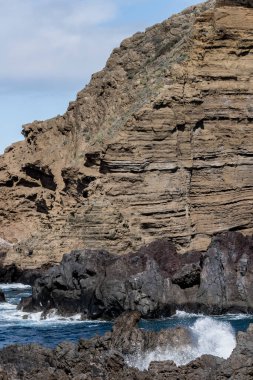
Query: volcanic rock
column 158, row 145
column 2, row 297
column 154, row 281
column 14, row 274
column 98, row 359
column 130, row 340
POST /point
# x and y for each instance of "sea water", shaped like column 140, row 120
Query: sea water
column 214, row 335
column 20, row 327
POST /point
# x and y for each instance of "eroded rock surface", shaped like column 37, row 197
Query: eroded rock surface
column 2, row 297
column 158, row 145
column 104, row 358
column 154, row 281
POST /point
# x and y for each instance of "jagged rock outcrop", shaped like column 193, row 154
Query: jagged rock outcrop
column 99, row 359
column 2, row 297
column 155, row 281
column 158, row 145
column 244, row 3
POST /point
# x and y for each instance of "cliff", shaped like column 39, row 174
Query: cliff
column 158, row 145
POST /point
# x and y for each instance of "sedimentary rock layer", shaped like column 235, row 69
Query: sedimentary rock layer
column 155, row 281
column 158, row 145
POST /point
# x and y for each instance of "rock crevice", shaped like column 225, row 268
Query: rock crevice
column 155, row 281
column 158, row 145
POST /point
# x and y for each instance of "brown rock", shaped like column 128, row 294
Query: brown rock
column 159, row 144
column 243, row 3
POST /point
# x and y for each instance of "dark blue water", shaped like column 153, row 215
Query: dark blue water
column 19, row 327
column 239, row 322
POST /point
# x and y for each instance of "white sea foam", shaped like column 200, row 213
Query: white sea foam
column 6, row 287
column 233, row 317
column 209, row 336
column 7, row 306
column 9, row 313
column 228, row 317
column 184, row 314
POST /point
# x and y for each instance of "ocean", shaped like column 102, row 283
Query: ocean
column 214, row 335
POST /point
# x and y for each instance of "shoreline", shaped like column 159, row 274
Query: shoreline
column 121, row 351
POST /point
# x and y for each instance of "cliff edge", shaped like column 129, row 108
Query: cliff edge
column 158, row 145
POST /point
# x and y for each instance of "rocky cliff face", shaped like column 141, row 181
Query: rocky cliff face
column 155, row 281
column 159, row 144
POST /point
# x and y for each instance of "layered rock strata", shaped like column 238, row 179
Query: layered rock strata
column 104, row 358
column 158, row 145
column 154, row 281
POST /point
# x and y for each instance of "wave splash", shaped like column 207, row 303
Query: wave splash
column 15, row 286
column 209, row 336
column 9, row 315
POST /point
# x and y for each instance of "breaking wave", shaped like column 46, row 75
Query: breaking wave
column 209, row 336
column 5, row 287
column 9, row 313
column 17, row 326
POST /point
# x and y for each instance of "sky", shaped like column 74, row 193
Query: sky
column 50, row 48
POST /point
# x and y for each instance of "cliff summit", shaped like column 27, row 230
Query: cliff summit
column 158, row 145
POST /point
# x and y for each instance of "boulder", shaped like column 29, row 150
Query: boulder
column 104, row 358
column 154, row 281
column 101, row 285
column 2, row 297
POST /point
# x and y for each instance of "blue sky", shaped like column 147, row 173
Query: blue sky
column 50, row 48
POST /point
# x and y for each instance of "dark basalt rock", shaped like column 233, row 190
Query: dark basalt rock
column 130, row 340
column 98, row 358
column 103, row 358
column 13, row 274
column 2, row 297
column 99, row 284
column 154, row 281
column 235, row 3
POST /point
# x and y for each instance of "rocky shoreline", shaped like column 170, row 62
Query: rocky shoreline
column 155, row 280
column 14, row 274
column 159, row 145
column 152, row 282
column 107, row 357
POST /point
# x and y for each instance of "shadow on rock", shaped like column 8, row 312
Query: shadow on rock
column 155, row 281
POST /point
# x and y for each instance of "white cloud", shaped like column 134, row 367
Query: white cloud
column 49, row 49
column 54, row 39
column 55, row 42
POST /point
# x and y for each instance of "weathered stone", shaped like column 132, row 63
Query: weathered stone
column 244, row 3
column 99, row 359
column 158, row 145
column 2, row 297
column 12, row 273
column 155, row 281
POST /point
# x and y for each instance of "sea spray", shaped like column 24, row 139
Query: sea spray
column 214, row 337
column 209, row 336
column 21, row 327
column 16, row 286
